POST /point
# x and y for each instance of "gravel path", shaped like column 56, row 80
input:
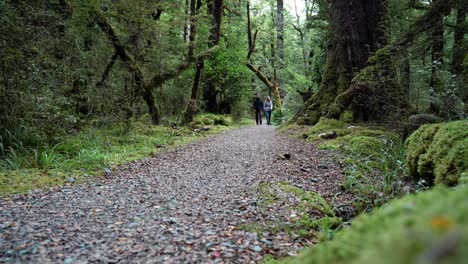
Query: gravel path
column 181, row 206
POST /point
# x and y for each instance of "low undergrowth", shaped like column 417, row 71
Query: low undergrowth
column 303, row 213
column 373, row 160
column 88, row 153
column 428, row 227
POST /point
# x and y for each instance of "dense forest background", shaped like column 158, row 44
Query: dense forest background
column 67, row 65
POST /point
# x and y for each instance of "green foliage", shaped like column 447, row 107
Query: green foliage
column 407, row 230
column 437, row 153
column 280, row 115
column 226, row 70
column 44, row 160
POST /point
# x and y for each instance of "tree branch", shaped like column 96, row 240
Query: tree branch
column 426, row 22
column 260, row 75
column 252, row 47
column 106, row 72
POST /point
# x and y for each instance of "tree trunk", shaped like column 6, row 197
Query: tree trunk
column 106, row 72
column 188, row 22
column 216, row 11
column 196, row 81
column 152, row 107
column 405, row 74
column 210, row 93
column 355, row 30
column 437, row 45
column 459, row 51
column 279, row 29
column 142, row 88
column 374, row 88
column 194, row 8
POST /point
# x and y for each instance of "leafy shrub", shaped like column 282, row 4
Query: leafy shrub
column 438, row 153
column 279, row 116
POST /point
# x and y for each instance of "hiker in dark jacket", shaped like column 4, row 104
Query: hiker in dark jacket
column 257, row 106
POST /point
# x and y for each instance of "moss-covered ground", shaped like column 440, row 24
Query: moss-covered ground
column 87, row 154
column 428, row 227
column 293, row 210
column 372, row 158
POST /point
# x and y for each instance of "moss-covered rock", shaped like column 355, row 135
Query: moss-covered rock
column 209, row 120
column 422, row 119
column 366, row 145
column 418, row 144
column 326, row 125
column 438, row 153
column 409, row 230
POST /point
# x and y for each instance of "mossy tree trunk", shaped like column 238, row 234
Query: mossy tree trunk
column 355, row 30
column 363, row 95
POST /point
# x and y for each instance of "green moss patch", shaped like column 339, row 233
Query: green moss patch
column 438, row 153
column 430, row 227
column 302, row 212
